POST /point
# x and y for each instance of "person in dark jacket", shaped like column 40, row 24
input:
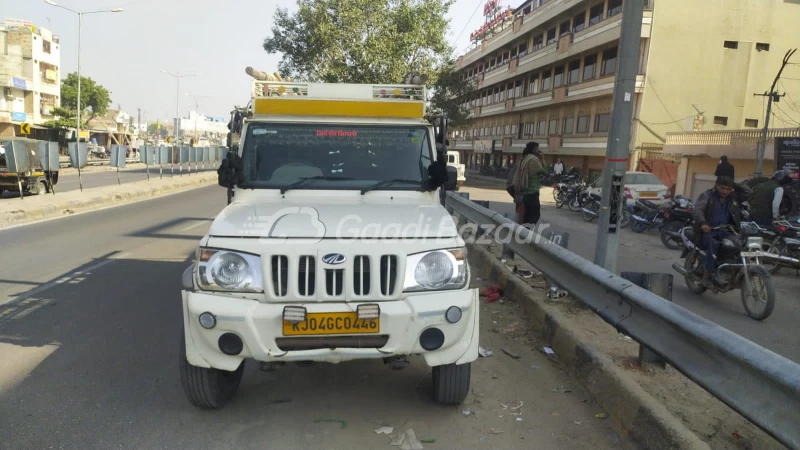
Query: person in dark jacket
column 767, row 197
column 714, row 208
column 724, row 168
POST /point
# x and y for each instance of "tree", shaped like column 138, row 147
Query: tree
column 93, row 96
column 65, row 118
column 450, row 93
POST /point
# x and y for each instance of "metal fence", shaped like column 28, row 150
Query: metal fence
column 761, row 385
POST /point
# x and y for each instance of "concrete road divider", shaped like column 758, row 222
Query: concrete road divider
column 15, row 211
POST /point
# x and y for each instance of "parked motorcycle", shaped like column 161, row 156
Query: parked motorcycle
column 561, row 191
column 579, row 197
column 678, row 216
column 782, row 240
column 592, row 210
column 738, row 265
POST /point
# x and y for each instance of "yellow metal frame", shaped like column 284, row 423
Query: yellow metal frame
column 341, row 108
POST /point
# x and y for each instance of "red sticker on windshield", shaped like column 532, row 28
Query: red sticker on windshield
column 337, row 133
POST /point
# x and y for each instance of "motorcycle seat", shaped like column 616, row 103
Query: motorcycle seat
column 647, row 204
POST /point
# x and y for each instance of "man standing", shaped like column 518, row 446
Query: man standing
column 724, row 168
column 526, row 181
column 518, row 207
column 715, row 207
column 558, row 169
column 767, row 196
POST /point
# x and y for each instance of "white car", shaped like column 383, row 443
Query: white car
column 334, row 247
column 638, row 186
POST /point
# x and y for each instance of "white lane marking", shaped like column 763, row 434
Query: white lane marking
column 191, row 227
column 68, row 277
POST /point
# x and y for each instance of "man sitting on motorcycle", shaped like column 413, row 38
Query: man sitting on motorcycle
column 767, row 196
column 714, row 208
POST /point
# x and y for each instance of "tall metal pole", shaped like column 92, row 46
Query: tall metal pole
column 762, row 145
column 78, row 123
column 177, row 105
column 619, row 135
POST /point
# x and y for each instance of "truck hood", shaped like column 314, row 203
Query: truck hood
column 348, row 218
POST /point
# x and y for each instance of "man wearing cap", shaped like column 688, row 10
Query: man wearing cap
column 715, row 207
column 526, row 181
column 724, row 168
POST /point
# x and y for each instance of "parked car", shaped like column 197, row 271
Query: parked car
column 638, row 185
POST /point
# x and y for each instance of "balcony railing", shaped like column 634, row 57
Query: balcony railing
column 734, row 137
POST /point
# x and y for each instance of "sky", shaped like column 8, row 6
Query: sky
column 126, row 51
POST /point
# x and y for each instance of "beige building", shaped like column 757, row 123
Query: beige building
column 548, row 74
column 30, row 74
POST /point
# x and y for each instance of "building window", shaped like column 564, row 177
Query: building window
column 751, row 123
column 45, row 46
column 538, row 41
column 583, row 124
column 553, row 127
column 523, row 49
column 609, row 65
column 541, row 128
column 533, row 86
column 730, row 44
column 720, row 120
column 551, row 36
column 589, row 67
column 528, row 129
column 558, row 78
column 762, row 46
column 595, row 14
column 513, row 52
column 601, row 122
column 564, row 28
column 518, row 89
column 574, row 71
column 569, row 124
column 513, row 129
column 579, row 22
column 614, row 7
column 547, row 81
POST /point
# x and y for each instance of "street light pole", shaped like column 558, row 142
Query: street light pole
column 78, row 123
column 178, row 77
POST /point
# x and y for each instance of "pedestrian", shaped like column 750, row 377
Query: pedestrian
column 558, row 169
column 527, row 180
column 517, row 197
column 724, row 168
column 767, row 197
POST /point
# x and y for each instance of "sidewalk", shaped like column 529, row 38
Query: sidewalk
column 16, row 211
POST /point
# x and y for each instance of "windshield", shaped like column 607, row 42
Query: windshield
column 332, row 156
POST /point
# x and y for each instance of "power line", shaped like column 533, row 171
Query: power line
column 467, row 24
column 791, row 100
column 675, row 121
column 786, row 119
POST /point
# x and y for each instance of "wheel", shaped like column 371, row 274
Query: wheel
column 777, row 250
column 670, row 242
column 588, row 217
column 637, row 226
column 760, row 301
column 693, row 264
column 451, row 383
column 207, row 388
column 574, row 204
column 556, row 194
column 560, row 200
column 625, row 220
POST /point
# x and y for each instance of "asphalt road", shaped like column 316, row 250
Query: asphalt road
column 645, row 253
column 90, row 319
column 105, row 176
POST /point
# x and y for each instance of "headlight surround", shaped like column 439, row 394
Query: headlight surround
column 228, row 271
column 436, row 270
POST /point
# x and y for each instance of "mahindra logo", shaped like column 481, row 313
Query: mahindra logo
column 334, row 258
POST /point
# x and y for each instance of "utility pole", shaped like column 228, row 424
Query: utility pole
column 773, row 96
column 619, row 136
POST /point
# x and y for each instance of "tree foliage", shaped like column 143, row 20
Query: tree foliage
column 371, row 41
column 93, row 96
column 65, row 118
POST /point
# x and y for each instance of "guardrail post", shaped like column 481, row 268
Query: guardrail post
column 661, row 285
column 508, row 254
column 560, row 238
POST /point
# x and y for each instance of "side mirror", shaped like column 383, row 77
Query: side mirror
column 452, row 178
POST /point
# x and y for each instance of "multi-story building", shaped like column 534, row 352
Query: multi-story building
column 548, row 75
column 30, row 59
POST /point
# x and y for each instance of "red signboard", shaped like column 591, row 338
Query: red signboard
column 499, row 17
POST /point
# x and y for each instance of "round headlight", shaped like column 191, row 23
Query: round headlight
column 434, row 270
column 230, row 270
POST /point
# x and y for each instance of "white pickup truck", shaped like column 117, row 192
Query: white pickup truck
column 454, row 159
column 335, row 245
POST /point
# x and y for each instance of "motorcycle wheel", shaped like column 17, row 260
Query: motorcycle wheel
column 768, row 247
column 671, row 243
column 558, row 197
column 625, row 220
column 588, row 216
column 637, row 226
column 691, row 264
column 575, row 204
column 760, row 301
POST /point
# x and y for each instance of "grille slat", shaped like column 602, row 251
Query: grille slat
column 388, row 274
column 334, row 282
column 280, row 275
column 307, row 274
column 361, row 275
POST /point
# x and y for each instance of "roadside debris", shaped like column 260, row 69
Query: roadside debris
column 554, row 293
column 467, row 412
column 527, row 273
column 510, row 353
column 384, row 430
column 340, row 421
column 493, row 289
column 407, row 441
column 493, row 431
column 485, row 352
column 600, row 415
column 491, row 298
column 549, row 351
column 428, row 440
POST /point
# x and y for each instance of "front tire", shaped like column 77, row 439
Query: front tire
column 208, row 388
column 574, row 204
column 626, row 218
column 760, row 302
column 691, row 265
column 673, row 226
column 451, row 383
column 637, row 226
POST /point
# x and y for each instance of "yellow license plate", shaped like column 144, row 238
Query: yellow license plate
column 331, row 323
column 648, row 194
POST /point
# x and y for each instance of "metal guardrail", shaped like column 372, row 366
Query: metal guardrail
column 99, row 162
column 760, row 385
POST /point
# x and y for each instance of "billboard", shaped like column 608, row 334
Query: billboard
column 787, row 155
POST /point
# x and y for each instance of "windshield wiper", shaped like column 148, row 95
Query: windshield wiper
column 308, row 180
column 383, row 183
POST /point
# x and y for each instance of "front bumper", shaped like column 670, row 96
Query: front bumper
column 260, row 326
